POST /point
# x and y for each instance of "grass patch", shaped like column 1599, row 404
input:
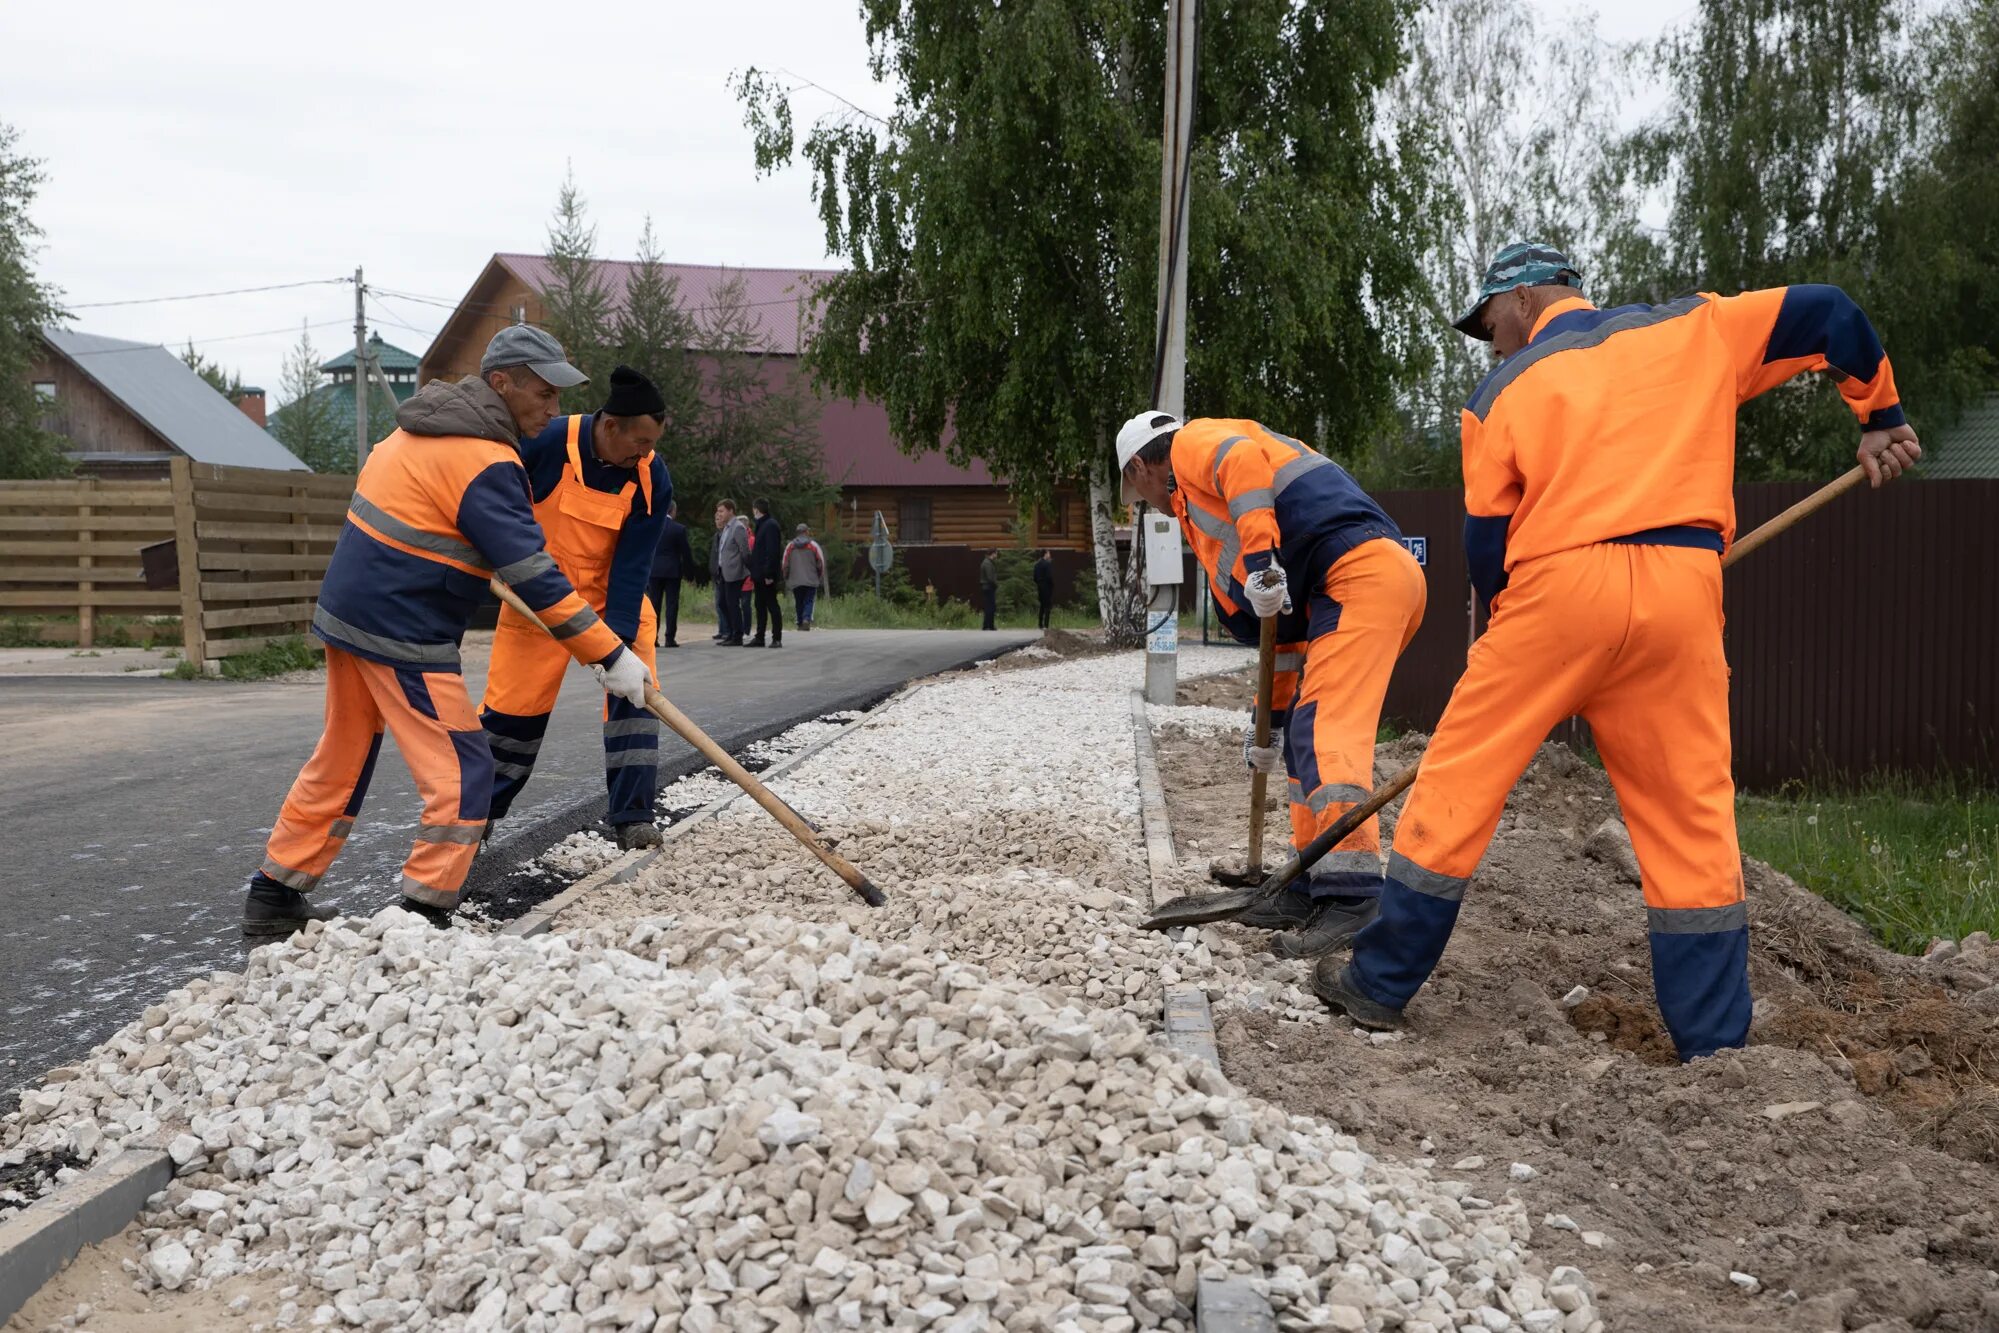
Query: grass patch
column 110, row 631
column 1914, row 863
column 273, row 659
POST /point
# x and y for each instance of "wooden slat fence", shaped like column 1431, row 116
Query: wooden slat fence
column 71, row 548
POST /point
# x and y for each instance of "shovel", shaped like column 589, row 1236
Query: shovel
column 1199, row 911
column 683, row 727
column 1259, row 781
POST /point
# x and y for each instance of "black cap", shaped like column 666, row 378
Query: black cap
column 633, row 395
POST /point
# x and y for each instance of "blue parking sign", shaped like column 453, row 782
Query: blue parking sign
column 1418, row 547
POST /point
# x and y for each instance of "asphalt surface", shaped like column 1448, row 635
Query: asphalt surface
column 133, row 810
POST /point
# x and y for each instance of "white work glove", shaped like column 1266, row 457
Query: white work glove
column 1262, row 758
column 626, row 678
column 1268, row 592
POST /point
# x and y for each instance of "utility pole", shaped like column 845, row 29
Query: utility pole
column 360, row 373
column 1162, row 643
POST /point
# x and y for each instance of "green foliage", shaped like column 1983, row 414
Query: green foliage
column 305, row 422
column 654, row 335
column 225, row 382
column 1016, row 580
column 28, row 447
column 277, row 658
column 1914, row 863
column 1001, row 227
column 578, row 309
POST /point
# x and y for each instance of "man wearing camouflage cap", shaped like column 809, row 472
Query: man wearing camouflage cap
column 1599, row 463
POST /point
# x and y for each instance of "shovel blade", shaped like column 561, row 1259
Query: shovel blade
column 1199, row 910
column 1236, row 879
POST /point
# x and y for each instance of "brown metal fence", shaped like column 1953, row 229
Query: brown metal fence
column 1865, row 640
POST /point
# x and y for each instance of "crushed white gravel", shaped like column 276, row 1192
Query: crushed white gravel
column 732, row 1098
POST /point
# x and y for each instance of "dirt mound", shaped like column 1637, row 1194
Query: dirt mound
column 1075, row 643
column 1846, row 1156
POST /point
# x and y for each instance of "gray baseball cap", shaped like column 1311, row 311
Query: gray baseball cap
column 537, row 349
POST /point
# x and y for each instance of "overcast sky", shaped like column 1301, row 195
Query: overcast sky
column 194, row 148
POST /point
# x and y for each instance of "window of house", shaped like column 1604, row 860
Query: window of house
column 912, row 520
column 1052, row 520
column 519, row 314
column 45, row 390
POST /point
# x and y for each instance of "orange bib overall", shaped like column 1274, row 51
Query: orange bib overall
column 582, row 526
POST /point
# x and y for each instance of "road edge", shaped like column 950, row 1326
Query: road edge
column 40, row 1241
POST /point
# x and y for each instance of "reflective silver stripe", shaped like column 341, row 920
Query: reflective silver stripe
column 390, row 526
column 291, row 879
column 1697, row 920
column 522, row 570
column 1221, row 530
column 575, row 625
column 465, row 835
column 1288, row 662
column 1221, row 452
column 1251, row 501
column 632, row 726
column 1427, row 882
column 1343, row 792
column 400, row 650
column 513, row 770
column 512, row 746
column 1295, row 469
column 1296, row 446
column 645, row 756
column 428, row 896
column 341, row 828
column 1347, row 863
column 1521, row 361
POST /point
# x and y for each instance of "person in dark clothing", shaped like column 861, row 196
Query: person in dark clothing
column 732, row 570
column 989, row 587
column 1044, row 584
column 670, row 559
column 766, row 568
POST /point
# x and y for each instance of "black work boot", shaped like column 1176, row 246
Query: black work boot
column 1334, row 923
column 437, row 916
column 639, row 833
column 1288, row 908
column 272, row 909
column 1332, row 981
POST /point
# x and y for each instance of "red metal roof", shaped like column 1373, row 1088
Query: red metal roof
column 859, row 449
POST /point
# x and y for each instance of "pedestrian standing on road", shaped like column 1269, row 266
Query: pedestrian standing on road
column 670, row 561
column 441, row 506
column 766, row 568
column 1282, row 531
column 732, row 566
column 804, row 573
column 989, row 587
column 718, row 587
column 1044, row 585
column 1599, row 460
column 600, row 493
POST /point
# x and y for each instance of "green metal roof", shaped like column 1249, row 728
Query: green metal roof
column 392, row 358
column 338, row 400
column 1970, row 448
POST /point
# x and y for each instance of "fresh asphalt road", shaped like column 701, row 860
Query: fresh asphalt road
column 133, row 810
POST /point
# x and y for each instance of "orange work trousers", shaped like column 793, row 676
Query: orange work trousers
column 431, row 717
column 1627, row 635
column 1327, row 694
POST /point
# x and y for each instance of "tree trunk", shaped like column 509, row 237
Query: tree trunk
column 1103, row 543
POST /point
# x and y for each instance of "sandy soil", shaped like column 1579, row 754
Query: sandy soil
column 1848, row 1160
column 98, row 1280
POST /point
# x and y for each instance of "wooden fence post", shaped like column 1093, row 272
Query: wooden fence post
column 86, row 534
column 193, row 643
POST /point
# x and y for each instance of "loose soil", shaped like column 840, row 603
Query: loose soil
column 1850, row 1155
column 99, row 1281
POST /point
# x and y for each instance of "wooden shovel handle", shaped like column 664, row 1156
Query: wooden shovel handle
column 683, row 727
column 1811, row 504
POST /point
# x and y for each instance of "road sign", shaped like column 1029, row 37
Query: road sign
column 1418, row 547
column 881, row 551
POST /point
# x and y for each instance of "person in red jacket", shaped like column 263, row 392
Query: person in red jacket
column 1599, row 464
column 441, row 507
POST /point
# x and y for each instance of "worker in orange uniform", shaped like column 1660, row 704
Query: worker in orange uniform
column 601, row 495
column 1283, row 531
column 441, row 507
column 1599, row 461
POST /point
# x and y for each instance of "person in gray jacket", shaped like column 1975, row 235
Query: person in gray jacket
column 804, row 573
column 732, row 540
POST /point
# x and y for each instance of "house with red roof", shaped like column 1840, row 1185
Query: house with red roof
column 933, row 507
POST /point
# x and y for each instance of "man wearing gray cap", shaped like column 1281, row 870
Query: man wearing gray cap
column 442, row 505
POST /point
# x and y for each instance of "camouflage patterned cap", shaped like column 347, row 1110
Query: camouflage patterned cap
column 1521, row 264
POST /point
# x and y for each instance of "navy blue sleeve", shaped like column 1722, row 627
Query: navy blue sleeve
column 1818, row 319
column 1485, row 553
column 631, row 564
column 495, row 516
column 543, row 456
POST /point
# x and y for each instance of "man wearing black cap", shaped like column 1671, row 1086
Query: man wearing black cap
column 601, row 495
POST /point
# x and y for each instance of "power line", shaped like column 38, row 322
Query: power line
column 203, row 342
column 202, row 296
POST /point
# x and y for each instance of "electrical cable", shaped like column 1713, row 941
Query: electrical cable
column 202, row 296
column 224, row 338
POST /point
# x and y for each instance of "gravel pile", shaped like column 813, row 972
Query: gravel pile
column 485, row 1133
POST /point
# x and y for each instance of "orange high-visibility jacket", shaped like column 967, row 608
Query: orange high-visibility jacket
column 443, row 505
column 1246, row 495
column 1620, row 424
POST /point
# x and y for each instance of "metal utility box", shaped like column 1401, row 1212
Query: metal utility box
column 1162, row 550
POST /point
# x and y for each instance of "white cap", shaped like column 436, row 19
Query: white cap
column 1135, row 434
